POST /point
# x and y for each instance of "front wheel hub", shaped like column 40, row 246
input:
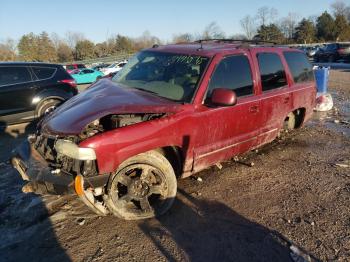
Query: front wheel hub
column 139, row 189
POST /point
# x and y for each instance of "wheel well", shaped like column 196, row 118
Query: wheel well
column 174, row 156
column 299, row 117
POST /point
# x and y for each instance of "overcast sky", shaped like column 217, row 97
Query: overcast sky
column 98, row 19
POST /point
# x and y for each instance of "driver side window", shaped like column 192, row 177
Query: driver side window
column 233, row 73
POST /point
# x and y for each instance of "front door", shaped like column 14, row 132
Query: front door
column 226, row 131
column 16, row 90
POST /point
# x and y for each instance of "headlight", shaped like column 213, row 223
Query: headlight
column 68, row 148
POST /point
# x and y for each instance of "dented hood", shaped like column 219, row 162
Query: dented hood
column 104, row 98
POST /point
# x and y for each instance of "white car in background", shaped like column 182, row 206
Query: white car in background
column 115, row 67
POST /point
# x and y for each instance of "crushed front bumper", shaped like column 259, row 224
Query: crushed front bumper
column 41, row 178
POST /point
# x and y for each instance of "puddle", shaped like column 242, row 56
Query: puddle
column 337, row 119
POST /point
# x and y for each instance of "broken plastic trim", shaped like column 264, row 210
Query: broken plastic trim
column 88, row 197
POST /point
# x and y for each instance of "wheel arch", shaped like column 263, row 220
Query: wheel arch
column 299, row 115
column 44, row 99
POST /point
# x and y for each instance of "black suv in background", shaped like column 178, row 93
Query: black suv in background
column 29, row 90
column 333, row 52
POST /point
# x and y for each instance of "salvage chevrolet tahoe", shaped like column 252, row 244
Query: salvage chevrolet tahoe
column 171, row 112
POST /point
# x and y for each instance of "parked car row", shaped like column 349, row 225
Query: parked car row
column 333, row 53
column 83, row 75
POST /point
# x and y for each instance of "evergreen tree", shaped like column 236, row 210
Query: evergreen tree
column 342, row 28
column 28, row 47
column 305, row 32
column 270, row 33
column 325, row 27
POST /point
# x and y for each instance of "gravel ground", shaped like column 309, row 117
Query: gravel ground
column 296, row 193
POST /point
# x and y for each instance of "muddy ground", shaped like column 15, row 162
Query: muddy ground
column 297, row 192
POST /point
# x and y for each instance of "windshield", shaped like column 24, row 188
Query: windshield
column 168, row 75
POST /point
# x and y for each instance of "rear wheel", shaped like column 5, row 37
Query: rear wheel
column 144, row 186
column 47, row 106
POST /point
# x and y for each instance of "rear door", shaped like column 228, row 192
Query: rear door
column 274, row 93
column 227, row 131
column 43, row 77
column 16, row 90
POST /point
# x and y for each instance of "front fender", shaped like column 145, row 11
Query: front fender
column 115, row 146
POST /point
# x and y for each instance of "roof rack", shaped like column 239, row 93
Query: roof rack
column 243, row 41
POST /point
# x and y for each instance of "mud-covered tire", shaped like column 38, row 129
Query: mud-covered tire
column 47, row 106
column 144, row 178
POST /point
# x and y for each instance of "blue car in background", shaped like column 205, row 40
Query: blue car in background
column 87, row 76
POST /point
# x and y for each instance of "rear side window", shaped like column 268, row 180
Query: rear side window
column 69, row 67
column 272, row 72
column 14, row 75
column 299, row 66
column 44, row 72
column 233, row 73
column 80, row 66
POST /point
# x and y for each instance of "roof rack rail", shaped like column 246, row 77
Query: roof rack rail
column 235, row 40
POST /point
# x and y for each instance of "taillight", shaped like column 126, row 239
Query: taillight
column 343, row 50
column 71, row 82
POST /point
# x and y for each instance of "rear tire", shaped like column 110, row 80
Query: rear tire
column 144, row 186
column 47, row 106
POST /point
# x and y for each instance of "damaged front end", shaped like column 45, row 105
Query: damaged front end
column 58, row 165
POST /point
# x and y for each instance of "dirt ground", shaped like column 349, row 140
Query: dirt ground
column 296, row 193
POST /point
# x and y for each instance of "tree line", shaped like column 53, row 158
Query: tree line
column 264, row 25
column 328, row 27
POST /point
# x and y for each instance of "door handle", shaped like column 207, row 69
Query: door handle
column 253, row 109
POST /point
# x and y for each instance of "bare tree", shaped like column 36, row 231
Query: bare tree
column 288, row 24
column 266, row 15
column 339, row 8
column 182, row 38
column 213, row 30
column 8, row 50
column 56, row 40
column 73, row 38
column 248, row 26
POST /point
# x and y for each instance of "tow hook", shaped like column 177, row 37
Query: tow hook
column 88, row 196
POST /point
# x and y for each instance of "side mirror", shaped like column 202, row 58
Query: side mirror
column 223, row 97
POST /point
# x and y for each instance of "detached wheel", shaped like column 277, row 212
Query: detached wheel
column 144, row 186
column 47, row 106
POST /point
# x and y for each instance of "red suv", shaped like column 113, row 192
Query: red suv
column 171, row 112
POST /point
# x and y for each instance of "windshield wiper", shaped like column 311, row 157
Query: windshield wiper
column 146, row 90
